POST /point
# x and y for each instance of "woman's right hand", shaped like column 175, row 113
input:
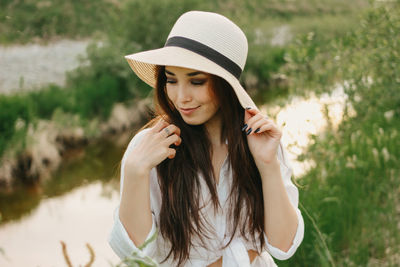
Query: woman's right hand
column 153, row 148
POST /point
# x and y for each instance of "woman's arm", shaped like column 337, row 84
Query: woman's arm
column 281, row 220
column 154, row 147
column 283, row 224
column 134, row 210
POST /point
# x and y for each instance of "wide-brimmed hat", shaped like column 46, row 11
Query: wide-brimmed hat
column 203, row 41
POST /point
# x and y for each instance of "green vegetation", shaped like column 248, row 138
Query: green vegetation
column 22, row 21
column 350, row 200
column 93, row 88
column 88, row 99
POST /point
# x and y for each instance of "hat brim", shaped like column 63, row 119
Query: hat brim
column 144, row 65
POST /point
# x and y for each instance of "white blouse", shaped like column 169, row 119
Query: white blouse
column 235, row 255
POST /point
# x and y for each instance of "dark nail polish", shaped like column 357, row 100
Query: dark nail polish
column 256, row 131
column 249, row 131
column 244, row 127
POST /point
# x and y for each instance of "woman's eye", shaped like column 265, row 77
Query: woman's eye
column 198, row 82
column 170, row 81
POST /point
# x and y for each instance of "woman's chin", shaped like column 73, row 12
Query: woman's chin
column 192, row 121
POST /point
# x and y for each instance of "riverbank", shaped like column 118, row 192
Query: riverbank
column 48, row 141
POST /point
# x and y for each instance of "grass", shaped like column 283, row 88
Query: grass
column 350, row 199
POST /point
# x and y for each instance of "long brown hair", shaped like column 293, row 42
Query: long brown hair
column 179, row 179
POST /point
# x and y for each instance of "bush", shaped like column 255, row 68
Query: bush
column 96, row 98
column 13, row 109
column 45, row 101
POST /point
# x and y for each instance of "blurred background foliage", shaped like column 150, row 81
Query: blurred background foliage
column 353, row 192
column 350, row 199
column 123, row 27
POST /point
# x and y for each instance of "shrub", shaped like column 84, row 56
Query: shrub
column 12, row 109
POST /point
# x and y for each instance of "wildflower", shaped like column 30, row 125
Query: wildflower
column 389, row 115
column 386, row 155
column 19, row 124
column 375, row 152
column 324, row 173
column 350, row 165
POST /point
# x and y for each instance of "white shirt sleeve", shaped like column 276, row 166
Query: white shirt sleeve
column 293, row 193
column 119, row 239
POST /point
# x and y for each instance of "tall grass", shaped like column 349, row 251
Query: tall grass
column 350, row 199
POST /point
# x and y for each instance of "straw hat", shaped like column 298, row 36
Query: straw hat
column 203, row 41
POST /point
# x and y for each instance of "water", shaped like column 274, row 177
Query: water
column 303, row 117
column 77, row 205
column 84, row 215
column 25, row 67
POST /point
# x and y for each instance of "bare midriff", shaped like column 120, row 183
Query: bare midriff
column 252, row 255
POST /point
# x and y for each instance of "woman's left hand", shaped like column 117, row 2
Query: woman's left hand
column 263, row 136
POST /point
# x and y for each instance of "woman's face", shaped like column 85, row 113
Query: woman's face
column 191, row 93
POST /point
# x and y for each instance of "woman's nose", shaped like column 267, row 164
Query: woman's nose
column 184, row 94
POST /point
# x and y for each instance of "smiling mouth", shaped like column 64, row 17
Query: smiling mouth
column 188, row 111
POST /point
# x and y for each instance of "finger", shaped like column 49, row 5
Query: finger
column 254, row 119
column 251, row 119
column 159, row 126
column 173, row 139
column 256, row 126
column 249, row 126
column 171, row 153
column 271, row 128
column 252, row 111
column 170, row 130
column 248, row 113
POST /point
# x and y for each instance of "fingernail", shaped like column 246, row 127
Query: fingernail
column 248, row 108
column 244, row 127
column 256, row 131
column 249, row 131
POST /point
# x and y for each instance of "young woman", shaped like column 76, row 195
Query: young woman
column 206, row 182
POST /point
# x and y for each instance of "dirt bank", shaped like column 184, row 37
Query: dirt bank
column 49, row 141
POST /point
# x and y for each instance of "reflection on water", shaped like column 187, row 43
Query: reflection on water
column 76, row 205
column 302, row 118
column 82, row 216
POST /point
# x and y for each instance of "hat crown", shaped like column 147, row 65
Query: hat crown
column 214, row 31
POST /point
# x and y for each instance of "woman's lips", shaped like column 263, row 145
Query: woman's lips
column 187, row 111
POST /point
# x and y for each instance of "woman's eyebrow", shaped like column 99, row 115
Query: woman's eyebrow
column 188, row 74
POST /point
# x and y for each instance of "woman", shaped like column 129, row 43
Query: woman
column 208, row 174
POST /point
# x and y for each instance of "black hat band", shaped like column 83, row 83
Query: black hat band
column 207, row 52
